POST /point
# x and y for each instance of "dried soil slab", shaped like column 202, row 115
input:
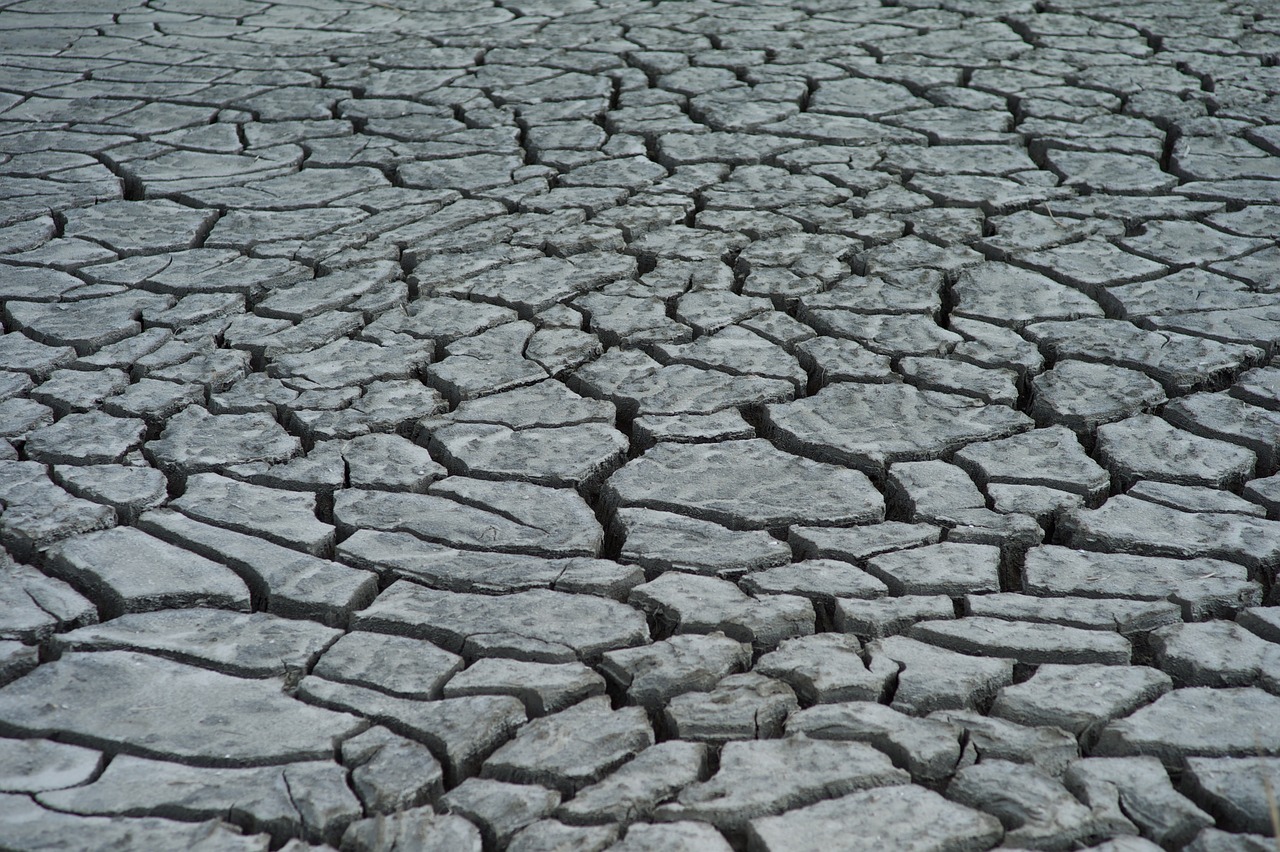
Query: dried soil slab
column 287, row 518
column 1197, row 722
column 1263, row 621
column 725, row 425
column 995, row 347
column 1091, row 264
column 1202, row 588
column 33, row 606
column 690, row 603
column 1111, row 173
column 1251, row 326
column 418, row 828
column 1127, row 525
column 860, row 424
column 550, row 834
column 1217, row 840
column 16, row 660
column 29, row 826
column 889, row 616
column 822, row 580
column 128, row 490
column 79, row 390
column 390, row 773
column 903, row 817
column 236, row 643
column 542, row 406
column 1212, row 653
column 199, row 717
column 288, row 582
column 474, row 514
column 654, row 674
column 404, row 556
column 1080, row 698
column 19, row 417
column 87, row 325
column 995, row 386
column 398, row 665
column 744, row 485
column 1026, row 642
column 89, row 438
column 573, row 748
column 826, row 668
column 346, row 363
column 680, row 836
column 1222, row 416
column 537, row 625
column 1126, row 617
column 1036, row 810
column 1145, row 447
column 19, row 353
column 929, row 490
column 932, row 678
column 1138, row 789
column 737, row 351
column 543, row 687
column 939, row 569
column 1009, row 296
column 1200, row 498
column 1235, row 790
column 740, row 707
column 885, row 334
column 35, row 765
column 390, row 463
column 1082, row 395
column 309, row 799
column 1189, row 242
column 927, row 748
column 638, row 385
column 566, row 456
column 499, row 809
column 634, row 789
column 1179, row 362
column 194, row 441
column 1180, row 297
column 126, row 570
column 990, row 738
column 858, row 544
column 461, row 732
column 1259, row 386
column 662, row 541
column 834, row 359
column 1265, row 494
column 765, row 777
column 1049, row 457
column 38, row 513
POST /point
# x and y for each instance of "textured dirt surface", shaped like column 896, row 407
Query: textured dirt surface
column 584, row 424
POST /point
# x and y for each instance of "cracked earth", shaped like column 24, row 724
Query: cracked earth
column 600, row 424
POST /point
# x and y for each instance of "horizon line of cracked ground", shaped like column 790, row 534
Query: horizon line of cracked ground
column 560, row 424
